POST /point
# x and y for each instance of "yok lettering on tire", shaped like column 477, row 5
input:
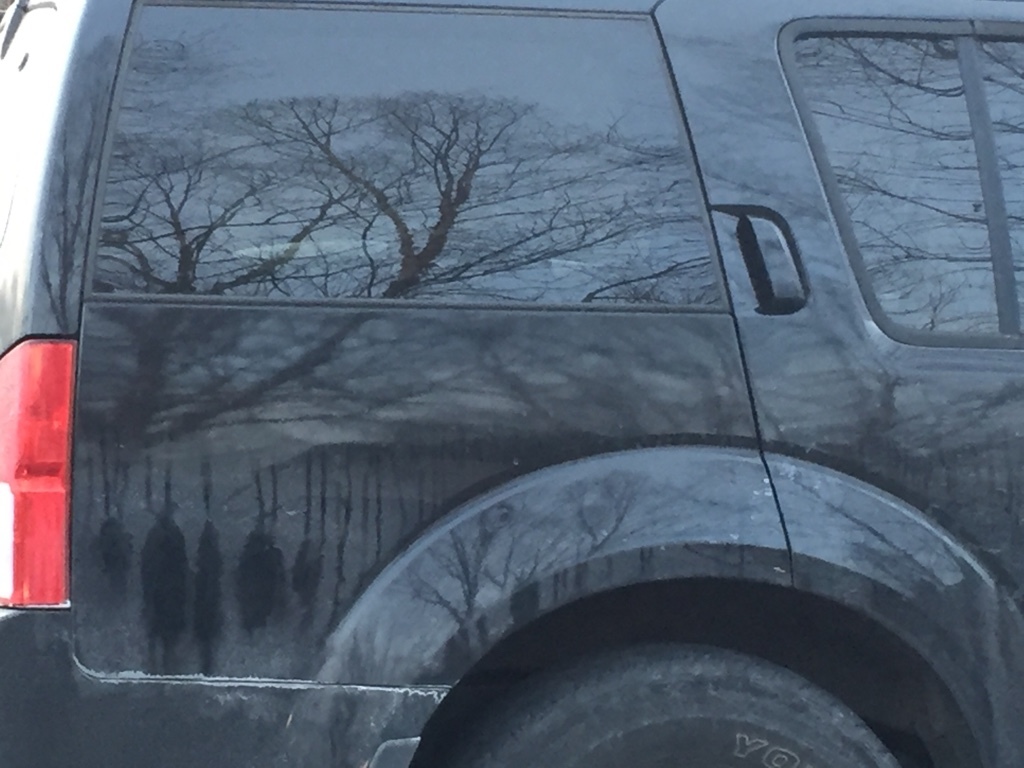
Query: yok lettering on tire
column 768, row 754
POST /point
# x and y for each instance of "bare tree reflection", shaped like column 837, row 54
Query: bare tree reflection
column 356, row 429
column 894, row 120
column 371, row 426
column 113, row 542
column 164, row 565
column 307, row 570
column 602, row 523
column 484, row 559
column 423, row 195
column 208, row 613
column 260, row 576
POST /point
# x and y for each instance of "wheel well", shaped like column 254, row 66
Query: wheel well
column 861, row 663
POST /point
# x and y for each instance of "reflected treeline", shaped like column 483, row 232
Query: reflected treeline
column 164, row 570
column 253, row 572
column 208, row 612
column 114, row 543
column 894, row 117
column 577, row 530
column 975, row 491
column 966, row 476
column 305, row 450
column 492, row 556
column 168, row 375
column 421, row 195
column 310, row 535
column 949, row 445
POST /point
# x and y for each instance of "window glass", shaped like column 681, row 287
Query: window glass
column 893, row 117
column 401, row 155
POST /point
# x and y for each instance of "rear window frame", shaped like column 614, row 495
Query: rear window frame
column 720, row 306
column 789, row 35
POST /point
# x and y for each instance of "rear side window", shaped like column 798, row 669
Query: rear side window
column 330, row 154
column 923, row 139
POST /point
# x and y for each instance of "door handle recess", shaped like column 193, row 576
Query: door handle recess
column 771, row 259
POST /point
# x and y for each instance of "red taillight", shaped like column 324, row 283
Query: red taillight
column 36, row 386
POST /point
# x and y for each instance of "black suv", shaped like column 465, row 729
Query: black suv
column 550, row 383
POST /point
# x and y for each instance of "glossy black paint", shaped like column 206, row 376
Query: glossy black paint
column 54, row 714
column 264, row 491
column 309, row 447
column 937, row 426
column 862, row 547
column 251, row 469
column 41, row 286
column 558, row 535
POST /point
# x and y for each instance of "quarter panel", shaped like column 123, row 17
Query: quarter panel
column 243, row 473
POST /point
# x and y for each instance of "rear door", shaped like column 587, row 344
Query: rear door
column 885, row 138
column 357, row 266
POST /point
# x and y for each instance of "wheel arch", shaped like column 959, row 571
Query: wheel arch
column 547, row 539
column 862, row 663
column 697, row 527
column 921, row 640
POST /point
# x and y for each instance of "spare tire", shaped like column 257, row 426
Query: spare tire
column 671, row 707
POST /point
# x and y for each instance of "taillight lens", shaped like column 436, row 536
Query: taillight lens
column 36, row 388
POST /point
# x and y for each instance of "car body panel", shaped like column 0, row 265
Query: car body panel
column 558, row 535
column 333, row 440
column 233, row 602
column 938, row 427
column 45, row 231
column 873, row 552
column 52, row 713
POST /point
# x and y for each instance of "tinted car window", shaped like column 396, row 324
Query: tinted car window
column 523, row 164
column 893, row 117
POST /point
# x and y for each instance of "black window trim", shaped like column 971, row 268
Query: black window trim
column 956, row 29
column 1003, row 276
